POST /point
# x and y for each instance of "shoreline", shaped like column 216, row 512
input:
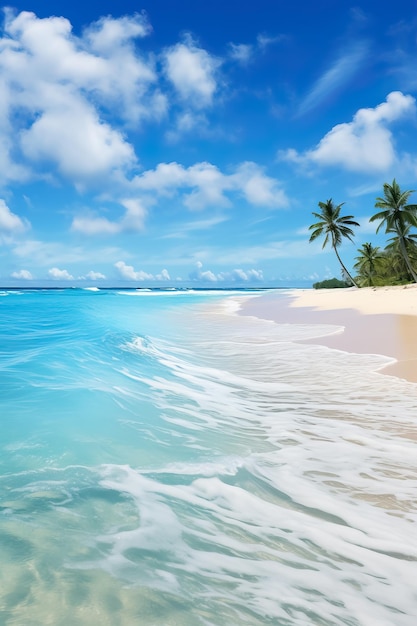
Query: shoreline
column 370, row 320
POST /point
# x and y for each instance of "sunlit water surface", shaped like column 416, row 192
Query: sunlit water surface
column 165, row 462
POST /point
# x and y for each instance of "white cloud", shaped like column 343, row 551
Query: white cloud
column 187, row 122
column 264, row 40
column 241, row 52
column 58, row 274
column 187, row 227
column 192, row 71
column 206, row 181
column 132, row 220
column 107, row 33
column 23, row 275
column 103, row 60
column 363, row 145
column 10, row 222
column 244, row 53
column 259, row 189
column 164, row 275
column 128, row 272
column 165, row 177
column 199, row 275
column 57, row 89
column 236, row 275
column 90, row 225
column 203, row 184
column 72, row 137
column 242, row 276
column 208, row 185
column 339, row 74
column 95, row 275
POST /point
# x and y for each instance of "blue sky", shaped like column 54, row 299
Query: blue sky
column 187, row 143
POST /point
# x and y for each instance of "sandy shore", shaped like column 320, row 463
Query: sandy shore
column 370, row 300
column 379, row 320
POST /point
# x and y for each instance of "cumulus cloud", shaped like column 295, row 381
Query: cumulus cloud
column 202, row 275
column 164, row 275
column 95, row 275
column 204, row 184
column 104, row 60
column 68, row 101
column 22, row 275
column 58, row 274
column 192, row 71
column 132, row 220
column 72, row 137
column 236, row 275
column 242, row 276
column 108, row 33
column 259, row 189
column 61, row 86
column 128, row 272
column 364, row 145
column 10, row 222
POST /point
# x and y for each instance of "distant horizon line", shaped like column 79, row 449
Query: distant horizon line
column 109, row 288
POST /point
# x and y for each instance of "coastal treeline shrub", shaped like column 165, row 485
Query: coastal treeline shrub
column 396, row 264
column 331, row 283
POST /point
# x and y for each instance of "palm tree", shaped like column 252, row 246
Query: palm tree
column 366, row 264
column 395, row 251
column 397, row 215
column 334, row 227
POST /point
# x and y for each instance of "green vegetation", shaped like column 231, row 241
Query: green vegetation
column 331, row 283
column 334, row 227
column 396, row 264
column 368, row 265
column 397, row 216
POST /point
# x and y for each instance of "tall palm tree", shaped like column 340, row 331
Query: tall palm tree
column 367, row 263
column 334, row 227
column 396, row 215
column 394, row 249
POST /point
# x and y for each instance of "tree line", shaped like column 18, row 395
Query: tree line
column 395, row 264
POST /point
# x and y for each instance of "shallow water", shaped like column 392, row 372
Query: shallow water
column 165, row 461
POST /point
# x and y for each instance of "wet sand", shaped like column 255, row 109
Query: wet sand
column 370, row 321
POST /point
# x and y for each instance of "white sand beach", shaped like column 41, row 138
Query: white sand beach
column 381, row 320
column 400, row 300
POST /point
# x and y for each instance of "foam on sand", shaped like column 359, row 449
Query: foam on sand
column 374, row 320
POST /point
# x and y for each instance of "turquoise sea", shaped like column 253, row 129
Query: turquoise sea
column 166, row 461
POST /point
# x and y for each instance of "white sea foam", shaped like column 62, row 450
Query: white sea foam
column 230, row 475
column 334, row 566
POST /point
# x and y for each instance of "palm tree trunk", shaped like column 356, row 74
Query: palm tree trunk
column 344, row 268
column 407, row 259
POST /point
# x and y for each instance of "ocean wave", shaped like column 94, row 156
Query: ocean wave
column 203, row 467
